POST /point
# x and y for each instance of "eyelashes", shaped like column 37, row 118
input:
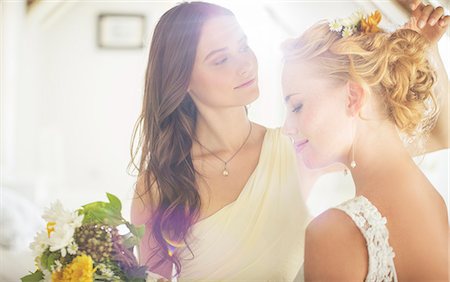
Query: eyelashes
column 222, row 61
column 297, row 108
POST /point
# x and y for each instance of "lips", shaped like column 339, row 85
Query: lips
column 300, row 145
column 246, row 84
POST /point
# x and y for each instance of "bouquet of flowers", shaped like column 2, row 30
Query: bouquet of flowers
column 87, row 245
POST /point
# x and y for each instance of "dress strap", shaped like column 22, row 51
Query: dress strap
column 373, row 227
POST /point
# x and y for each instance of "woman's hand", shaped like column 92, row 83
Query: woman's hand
column 432, row 24
column 429, row 21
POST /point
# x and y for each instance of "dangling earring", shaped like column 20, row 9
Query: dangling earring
column 353, row 163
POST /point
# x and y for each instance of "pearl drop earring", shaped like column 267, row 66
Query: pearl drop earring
column 353, row 162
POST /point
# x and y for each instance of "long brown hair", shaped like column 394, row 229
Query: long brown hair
column 166, row 126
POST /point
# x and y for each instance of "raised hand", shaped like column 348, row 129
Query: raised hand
column 429, row 21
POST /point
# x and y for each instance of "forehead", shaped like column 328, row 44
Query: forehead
column 299, row 68
column 298, row 75
column 218, row 32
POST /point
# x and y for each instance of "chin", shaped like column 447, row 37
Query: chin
column 314, row 163
column 252, row 96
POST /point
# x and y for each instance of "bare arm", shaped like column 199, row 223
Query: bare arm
column 335, row 250
column 142, row 208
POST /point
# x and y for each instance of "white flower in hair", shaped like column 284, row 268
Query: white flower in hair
column 356, row 17
column 335, row 26
column 356, row 22
column 346, row 22
column 347, row 31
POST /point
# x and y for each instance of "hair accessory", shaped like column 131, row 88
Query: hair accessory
column 357, row 22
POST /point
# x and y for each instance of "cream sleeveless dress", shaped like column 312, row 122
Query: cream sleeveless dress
column 260, row 236
column 372, row 226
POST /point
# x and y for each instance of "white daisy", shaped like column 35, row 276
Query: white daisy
column 58, row 265
column 347, row 31
column 356, row 17
column 61, row 226
column 72, row 248
column 40, row 244
column 335, row 26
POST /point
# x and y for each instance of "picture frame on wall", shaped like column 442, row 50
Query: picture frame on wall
column 121, row 31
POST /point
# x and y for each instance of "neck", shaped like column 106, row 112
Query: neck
column 223, row 130
column 379, row 155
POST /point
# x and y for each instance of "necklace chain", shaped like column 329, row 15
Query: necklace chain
column 225, row 171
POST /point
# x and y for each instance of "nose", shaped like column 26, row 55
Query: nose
column 289, row 128
column 246, row 66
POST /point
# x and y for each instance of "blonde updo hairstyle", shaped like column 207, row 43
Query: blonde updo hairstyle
column 392, row 66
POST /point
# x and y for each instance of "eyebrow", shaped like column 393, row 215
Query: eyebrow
column 286, row 99
column 215, row 52
column 243, row 39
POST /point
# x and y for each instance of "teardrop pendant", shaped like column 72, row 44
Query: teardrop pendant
column 353, row 164
column 225, row 172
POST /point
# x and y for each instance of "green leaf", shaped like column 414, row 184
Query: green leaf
column 102, row 213
column 51, row 259
column 103, row 216
column 44, row 259
column 33, row 277
column 130, row 241
column 137, row 231
column 115, row 202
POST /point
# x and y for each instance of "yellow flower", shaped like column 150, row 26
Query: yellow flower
column 57, row 276
column 81, row 269
column 370, row 24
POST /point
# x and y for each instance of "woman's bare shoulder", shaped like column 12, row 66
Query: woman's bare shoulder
column 335, row 248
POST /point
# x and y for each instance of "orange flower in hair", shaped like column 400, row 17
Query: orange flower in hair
column 370, row 24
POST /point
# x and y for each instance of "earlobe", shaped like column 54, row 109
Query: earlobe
column 356, row 95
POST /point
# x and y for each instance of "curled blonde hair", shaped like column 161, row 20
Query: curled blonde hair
column 392, row 66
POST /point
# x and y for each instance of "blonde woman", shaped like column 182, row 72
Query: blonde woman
column 350, row 90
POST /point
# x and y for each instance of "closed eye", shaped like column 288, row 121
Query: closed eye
column 221, row 62
column 297, row 108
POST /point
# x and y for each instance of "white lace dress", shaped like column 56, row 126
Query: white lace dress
column 373, row 227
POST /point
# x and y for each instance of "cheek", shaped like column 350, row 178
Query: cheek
column 326, row 119
column 326, row 128
column 210, row 86
column 312, row 119
column 254, row 62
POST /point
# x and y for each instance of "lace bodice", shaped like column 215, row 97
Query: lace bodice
column 373, row 227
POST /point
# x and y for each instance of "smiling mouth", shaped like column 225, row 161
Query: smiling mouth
column 246, row 84
column 300, row 145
